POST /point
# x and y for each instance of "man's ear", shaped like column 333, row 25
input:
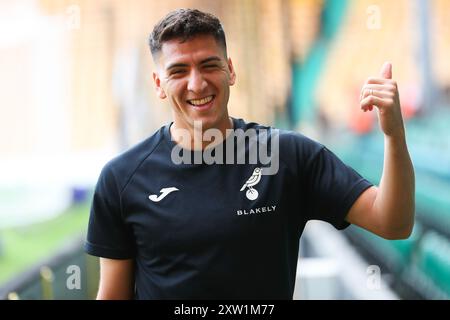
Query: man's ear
column 232, row 79
column 159, row 90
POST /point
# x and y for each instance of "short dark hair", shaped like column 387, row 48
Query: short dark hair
column 185, row 24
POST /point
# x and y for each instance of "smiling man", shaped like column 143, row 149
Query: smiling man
column 193, row 72
column 231, row 230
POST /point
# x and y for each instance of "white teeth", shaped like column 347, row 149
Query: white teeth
column 199, row 102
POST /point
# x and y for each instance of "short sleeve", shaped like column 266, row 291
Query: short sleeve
column 108, row 235
column 332, row 188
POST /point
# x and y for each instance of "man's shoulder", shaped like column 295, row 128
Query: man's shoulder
column 126, row 163
column 287, row 138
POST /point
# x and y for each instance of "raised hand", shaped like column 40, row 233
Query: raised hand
column 382, row 93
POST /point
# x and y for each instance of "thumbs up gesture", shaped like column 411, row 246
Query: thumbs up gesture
column 382, row 93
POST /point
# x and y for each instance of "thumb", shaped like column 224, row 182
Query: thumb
column 386, row 71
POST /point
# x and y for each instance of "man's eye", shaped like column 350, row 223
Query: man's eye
column 177, row 72
column 210, row 66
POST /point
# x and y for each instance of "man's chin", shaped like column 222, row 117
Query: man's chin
column 206, row 122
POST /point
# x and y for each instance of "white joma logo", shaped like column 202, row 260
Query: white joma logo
column 164, row 193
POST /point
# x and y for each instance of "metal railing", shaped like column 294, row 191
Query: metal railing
column 70, row 274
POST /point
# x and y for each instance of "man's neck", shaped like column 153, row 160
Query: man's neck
column 193, row 137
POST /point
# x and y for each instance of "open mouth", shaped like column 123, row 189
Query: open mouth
column 202, row 103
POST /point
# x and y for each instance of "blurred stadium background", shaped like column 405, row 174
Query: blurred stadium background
column 76, row 89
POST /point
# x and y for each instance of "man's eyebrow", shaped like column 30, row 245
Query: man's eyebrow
column 209, row 59
column 177, row 65
column 184, row 65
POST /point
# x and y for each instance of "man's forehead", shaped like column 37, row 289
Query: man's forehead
column 195, row 49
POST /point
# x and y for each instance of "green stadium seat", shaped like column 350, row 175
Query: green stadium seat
column 396, row 254
column 434, row 260
column 433, row 202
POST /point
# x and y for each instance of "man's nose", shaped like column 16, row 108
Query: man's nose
column 197, row 82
